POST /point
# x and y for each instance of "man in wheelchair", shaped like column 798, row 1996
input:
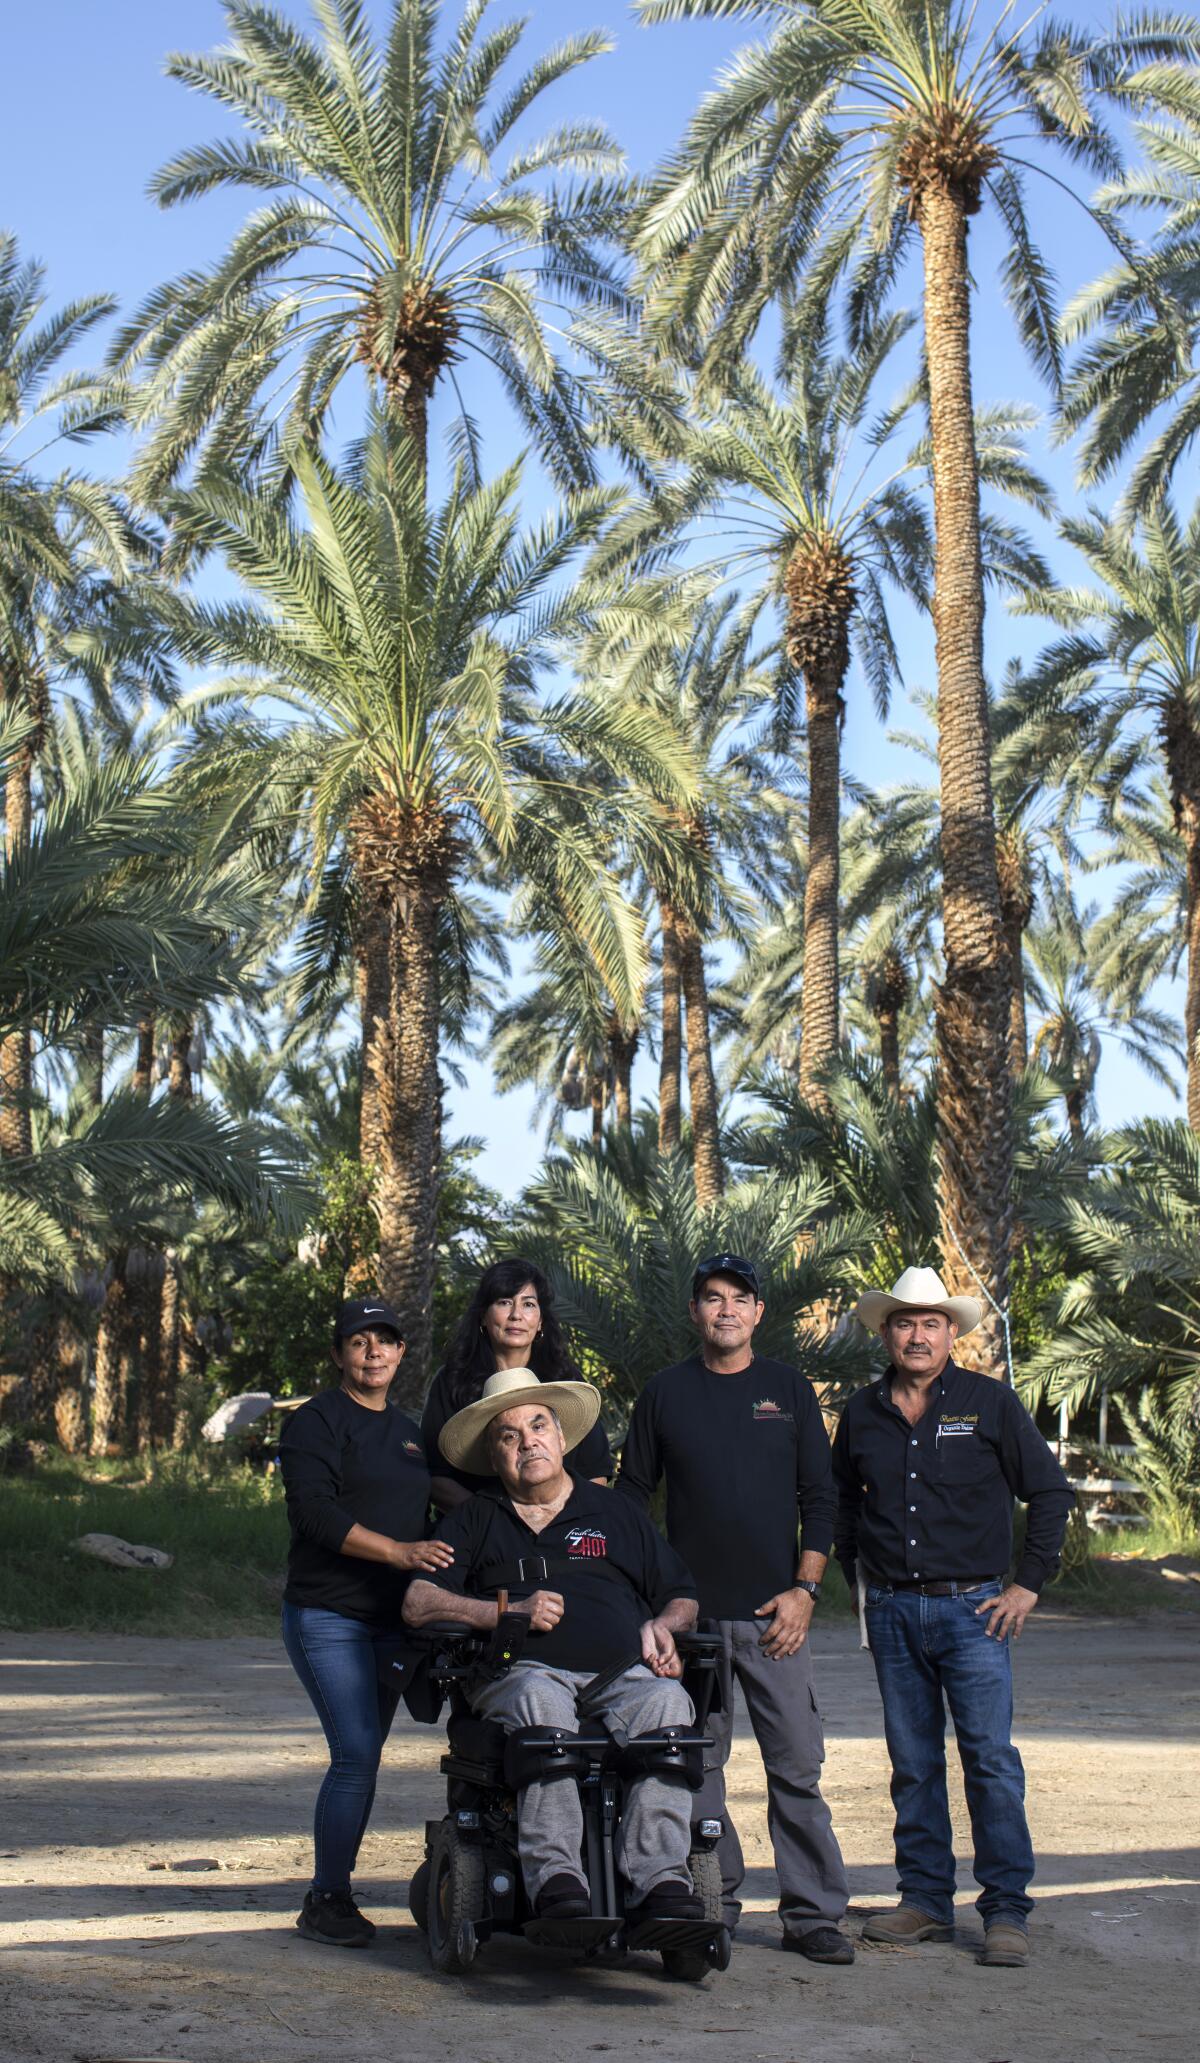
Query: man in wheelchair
column 580, row 1600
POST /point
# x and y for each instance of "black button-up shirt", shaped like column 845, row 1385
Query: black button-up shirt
column 932, row 1502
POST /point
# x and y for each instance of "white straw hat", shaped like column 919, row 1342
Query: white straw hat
column 919, row 1289
column 464, row 1438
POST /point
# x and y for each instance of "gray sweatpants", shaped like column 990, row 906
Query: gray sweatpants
column 655, row 1835
column 787, row 1726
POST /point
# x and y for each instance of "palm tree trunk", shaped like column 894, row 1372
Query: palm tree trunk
column 887, row 1017
column 16, row 1049
column 179, row 1072
column 974, row 1085
column 92, row 1058
column 110, row 1363
column 70, row 1410
column 598, row 1102
column 819, row 995
column 414, row 414
column 374, row 997
column 622, row 1046
column 671, row 1038
column 708, row 1173
column 143, row 1066
column 1074, row 1100
column 1018, row 1023
column 1181, row 748
column 163, row 1417
column 407, row 1073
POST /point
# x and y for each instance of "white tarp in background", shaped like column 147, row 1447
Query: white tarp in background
column 234, row 1415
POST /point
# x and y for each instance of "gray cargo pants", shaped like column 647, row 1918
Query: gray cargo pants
column 655, row 1833
column 787, row 1726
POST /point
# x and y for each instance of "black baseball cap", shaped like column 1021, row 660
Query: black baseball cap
column 363, row 1314
column 736, row 1265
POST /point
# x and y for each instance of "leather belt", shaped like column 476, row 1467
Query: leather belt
column 944, row 1589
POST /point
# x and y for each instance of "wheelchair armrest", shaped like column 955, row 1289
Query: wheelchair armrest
column 703, row 1650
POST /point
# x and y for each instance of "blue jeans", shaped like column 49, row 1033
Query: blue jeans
column 927, row 1649
column 337, row 1661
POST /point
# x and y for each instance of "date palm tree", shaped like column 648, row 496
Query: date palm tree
column 409, row 642
column 1129, row 658
column 1078, row 1017
column 800, row 487
column 102, row 905
column 402, row 226
column 48, row 526
column 688, row 662
column 857, row 125
column 617, row 1229
column 1127, row 1321
column 1146, row 309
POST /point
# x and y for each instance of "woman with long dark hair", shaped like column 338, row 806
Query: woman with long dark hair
column 510, row 1322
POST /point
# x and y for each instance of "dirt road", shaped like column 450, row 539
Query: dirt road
column 122, row 1754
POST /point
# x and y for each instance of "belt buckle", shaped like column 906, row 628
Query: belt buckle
column 524, row 1565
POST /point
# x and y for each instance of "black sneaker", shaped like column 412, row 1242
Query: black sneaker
column 563, row 1897
column 668, row 1901
column 820, row 1945
column 333, row 1917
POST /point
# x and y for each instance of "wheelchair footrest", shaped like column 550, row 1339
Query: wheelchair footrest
column 672, row 1934
column 580, row 1935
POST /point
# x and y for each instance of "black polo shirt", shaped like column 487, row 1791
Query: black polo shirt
column 611, row 1567
column 746, row 1458
column 932, row 1502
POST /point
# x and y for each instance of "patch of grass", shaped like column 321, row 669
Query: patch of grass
column 225, row 1527
column 1121, row 1575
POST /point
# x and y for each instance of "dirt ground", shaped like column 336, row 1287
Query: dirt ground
column 120, row 1755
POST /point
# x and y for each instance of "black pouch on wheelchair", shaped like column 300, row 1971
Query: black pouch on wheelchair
column 673, row 1754
column 403, row 1668
column 541, row 1755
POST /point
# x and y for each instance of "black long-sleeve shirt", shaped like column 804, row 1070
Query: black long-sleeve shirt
column 746, row 1458
column 591, row 1458
column 343, row 1465
column 932, row 1502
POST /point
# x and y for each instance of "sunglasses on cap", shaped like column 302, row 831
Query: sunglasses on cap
column 735, row 1265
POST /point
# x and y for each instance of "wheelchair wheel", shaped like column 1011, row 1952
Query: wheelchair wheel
column 453, row 1901
column 691, row 1965
column 418, row 1896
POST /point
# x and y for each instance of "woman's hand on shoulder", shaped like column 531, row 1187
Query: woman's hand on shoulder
column 428, row 1556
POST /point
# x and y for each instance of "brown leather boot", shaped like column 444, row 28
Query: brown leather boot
column 1005, row 1946
column 905, row 1927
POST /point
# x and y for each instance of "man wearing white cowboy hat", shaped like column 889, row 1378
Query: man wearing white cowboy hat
column 600, row 1587
column 927, row 1463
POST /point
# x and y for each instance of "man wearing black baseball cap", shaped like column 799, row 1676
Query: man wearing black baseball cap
column 746, row 1458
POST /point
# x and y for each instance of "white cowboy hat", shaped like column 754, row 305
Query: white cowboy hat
column 464, row 1438
column 919, row 1289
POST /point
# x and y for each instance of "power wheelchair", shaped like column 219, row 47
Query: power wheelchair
column 470, row 1887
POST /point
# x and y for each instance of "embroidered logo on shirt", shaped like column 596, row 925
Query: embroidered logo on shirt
column 957, row 1427
column 587, row 1543
column 766, row 1407
column 411, row 1447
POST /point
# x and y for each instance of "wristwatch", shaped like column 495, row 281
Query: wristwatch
column 804, row 1583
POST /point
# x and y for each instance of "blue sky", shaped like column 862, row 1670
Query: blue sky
column 89, row 115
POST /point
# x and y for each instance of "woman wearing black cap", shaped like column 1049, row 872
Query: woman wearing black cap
column 357, row 1484
column 510, row 1322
